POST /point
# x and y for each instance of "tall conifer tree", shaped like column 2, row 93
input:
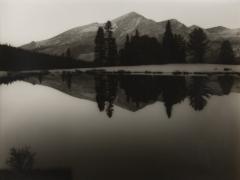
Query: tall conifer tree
column 100, row 47
column 198, row 43
column 226, row 55
column 168, row 43
column 111, row 46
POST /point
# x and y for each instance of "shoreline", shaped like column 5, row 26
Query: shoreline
column 173, row 69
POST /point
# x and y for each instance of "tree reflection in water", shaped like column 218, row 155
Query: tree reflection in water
column 226, row 83
column 199, row 92
column 106, row 91
column 143, row 90
column 174, row 91
column 139, row 90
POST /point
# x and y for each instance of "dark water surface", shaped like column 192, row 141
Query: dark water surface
column 111, row 126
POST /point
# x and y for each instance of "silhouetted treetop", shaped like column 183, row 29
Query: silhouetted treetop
column 108, row 27
column 106, row 52
column 198, row 44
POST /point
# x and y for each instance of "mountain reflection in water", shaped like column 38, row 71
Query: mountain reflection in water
column 165, row 127
column 134, row 92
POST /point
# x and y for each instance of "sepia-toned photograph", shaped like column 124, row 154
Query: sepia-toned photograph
column 119, row 89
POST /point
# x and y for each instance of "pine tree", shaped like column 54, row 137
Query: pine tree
column 111, row 46
column 168, row 43
column 179, row 49
column 125, row 55
column 112, row 52
column 126, row 52
column 136, row 48
column 100, row 47
column 226, row 55
column 108, row 27
column 140, row 50
column 198, row 44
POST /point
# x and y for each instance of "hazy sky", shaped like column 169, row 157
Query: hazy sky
column 22, row 21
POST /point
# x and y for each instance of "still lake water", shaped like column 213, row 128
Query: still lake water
column 106, row 126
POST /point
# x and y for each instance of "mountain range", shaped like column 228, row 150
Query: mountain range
column 80, row 40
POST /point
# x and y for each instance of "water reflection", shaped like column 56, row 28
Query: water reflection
column 201, row 141
column 171, row 90
column 199, row 92
column 226, row 83
column 106, row 92
column 139, row 90
column 174, row 91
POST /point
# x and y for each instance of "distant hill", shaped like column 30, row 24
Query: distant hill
column 18, row 59
column 218, row 29
column 81, row 39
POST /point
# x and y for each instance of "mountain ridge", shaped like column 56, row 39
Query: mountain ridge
column 81, row 39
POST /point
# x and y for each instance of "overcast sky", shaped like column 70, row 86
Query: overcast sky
column 22, row 21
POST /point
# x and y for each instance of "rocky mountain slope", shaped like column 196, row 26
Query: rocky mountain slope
column 80, row 40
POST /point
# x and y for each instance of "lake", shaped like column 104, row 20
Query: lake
column 123, row 126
